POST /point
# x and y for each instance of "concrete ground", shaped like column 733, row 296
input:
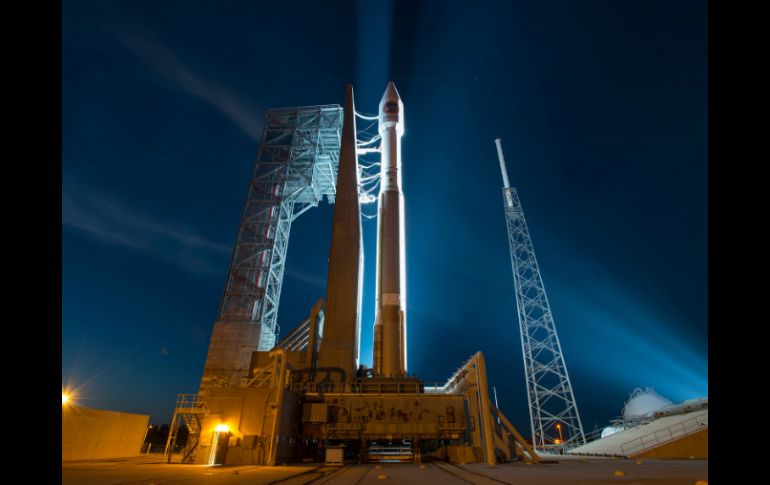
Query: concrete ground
column 147, row 470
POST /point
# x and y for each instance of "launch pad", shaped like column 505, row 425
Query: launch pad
column 305, row 397
column 570, row 471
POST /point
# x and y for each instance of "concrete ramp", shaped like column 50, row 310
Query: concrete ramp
column 679, row 436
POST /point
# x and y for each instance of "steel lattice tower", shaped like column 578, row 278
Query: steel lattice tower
column 296, row 167
column 552, row 407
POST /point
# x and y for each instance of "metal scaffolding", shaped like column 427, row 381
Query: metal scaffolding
column 553, row 411
column 296, row 166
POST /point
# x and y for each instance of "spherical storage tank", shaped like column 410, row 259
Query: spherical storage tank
column 644, row 403
column 610, row 430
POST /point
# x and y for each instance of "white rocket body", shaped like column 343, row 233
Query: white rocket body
column 389, row 349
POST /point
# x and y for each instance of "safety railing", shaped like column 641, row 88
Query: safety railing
column 594, row 435
column 665, row 435
column 435, row 388
column 366, row 387
column 190, row 401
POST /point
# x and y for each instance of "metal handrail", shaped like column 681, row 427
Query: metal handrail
column 399, row 388
column 189, row 401
column 594, row 435
column 665, row 435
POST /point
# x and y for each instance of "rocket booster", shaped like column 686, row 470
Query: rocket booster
column 389, row 352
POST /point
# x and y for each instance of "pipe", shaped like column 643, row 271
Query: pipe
column 313, row 342
column 280, row 385
column 507, row 190
column 501, row 158
column 171, row 440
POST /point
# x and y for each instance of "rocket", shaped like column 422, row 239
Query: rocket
column 389, row 347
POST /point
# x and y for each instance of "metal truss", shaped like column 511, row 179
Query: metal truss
column 296, row 166
column 553, row 411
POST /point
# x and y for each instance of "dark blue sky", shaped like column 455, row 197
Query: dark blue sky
column 602, row 109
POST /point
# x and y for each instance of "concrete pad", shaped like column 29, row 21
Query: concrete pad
column 590, row 471
column 147, row 470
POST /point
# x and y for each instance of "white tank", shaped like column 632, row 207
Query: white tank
column 644, row 403
column 610, row 430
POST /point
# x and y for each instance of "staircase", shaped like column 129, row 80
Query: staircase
column 189, row 410
column 193, row 424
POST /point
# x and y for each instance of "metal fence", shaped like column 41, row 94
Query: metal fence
column 666, row 435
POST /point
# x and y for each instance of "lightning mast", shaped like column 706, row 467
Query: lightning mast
column 552, row 408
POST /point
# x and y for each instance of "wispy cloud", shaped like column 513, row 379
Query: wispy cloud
column 110, row 221
column 304, row 277
column 166, row 63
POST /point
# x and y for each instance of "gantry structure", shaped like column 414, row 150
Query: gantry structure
column 296, row 166
column 553, row 411
column 268, row 401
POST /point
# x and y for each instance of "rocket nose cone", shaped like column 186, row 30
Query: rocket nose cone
column 391, row 100
column 391, row 109
column 391, row 93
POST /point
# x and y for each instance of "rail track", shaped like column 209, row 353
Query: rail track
column 468, row 476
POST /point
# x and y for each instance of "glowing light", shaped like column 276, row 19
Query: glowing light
column 64, row 398
column 221, row 428
column 561, row 436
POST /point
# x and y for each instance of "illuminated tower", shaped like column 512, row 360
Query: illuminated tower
column 296, row 167
column 552, row 408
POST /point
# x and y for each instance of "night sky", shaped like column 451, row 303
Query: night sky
column 602, row 110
